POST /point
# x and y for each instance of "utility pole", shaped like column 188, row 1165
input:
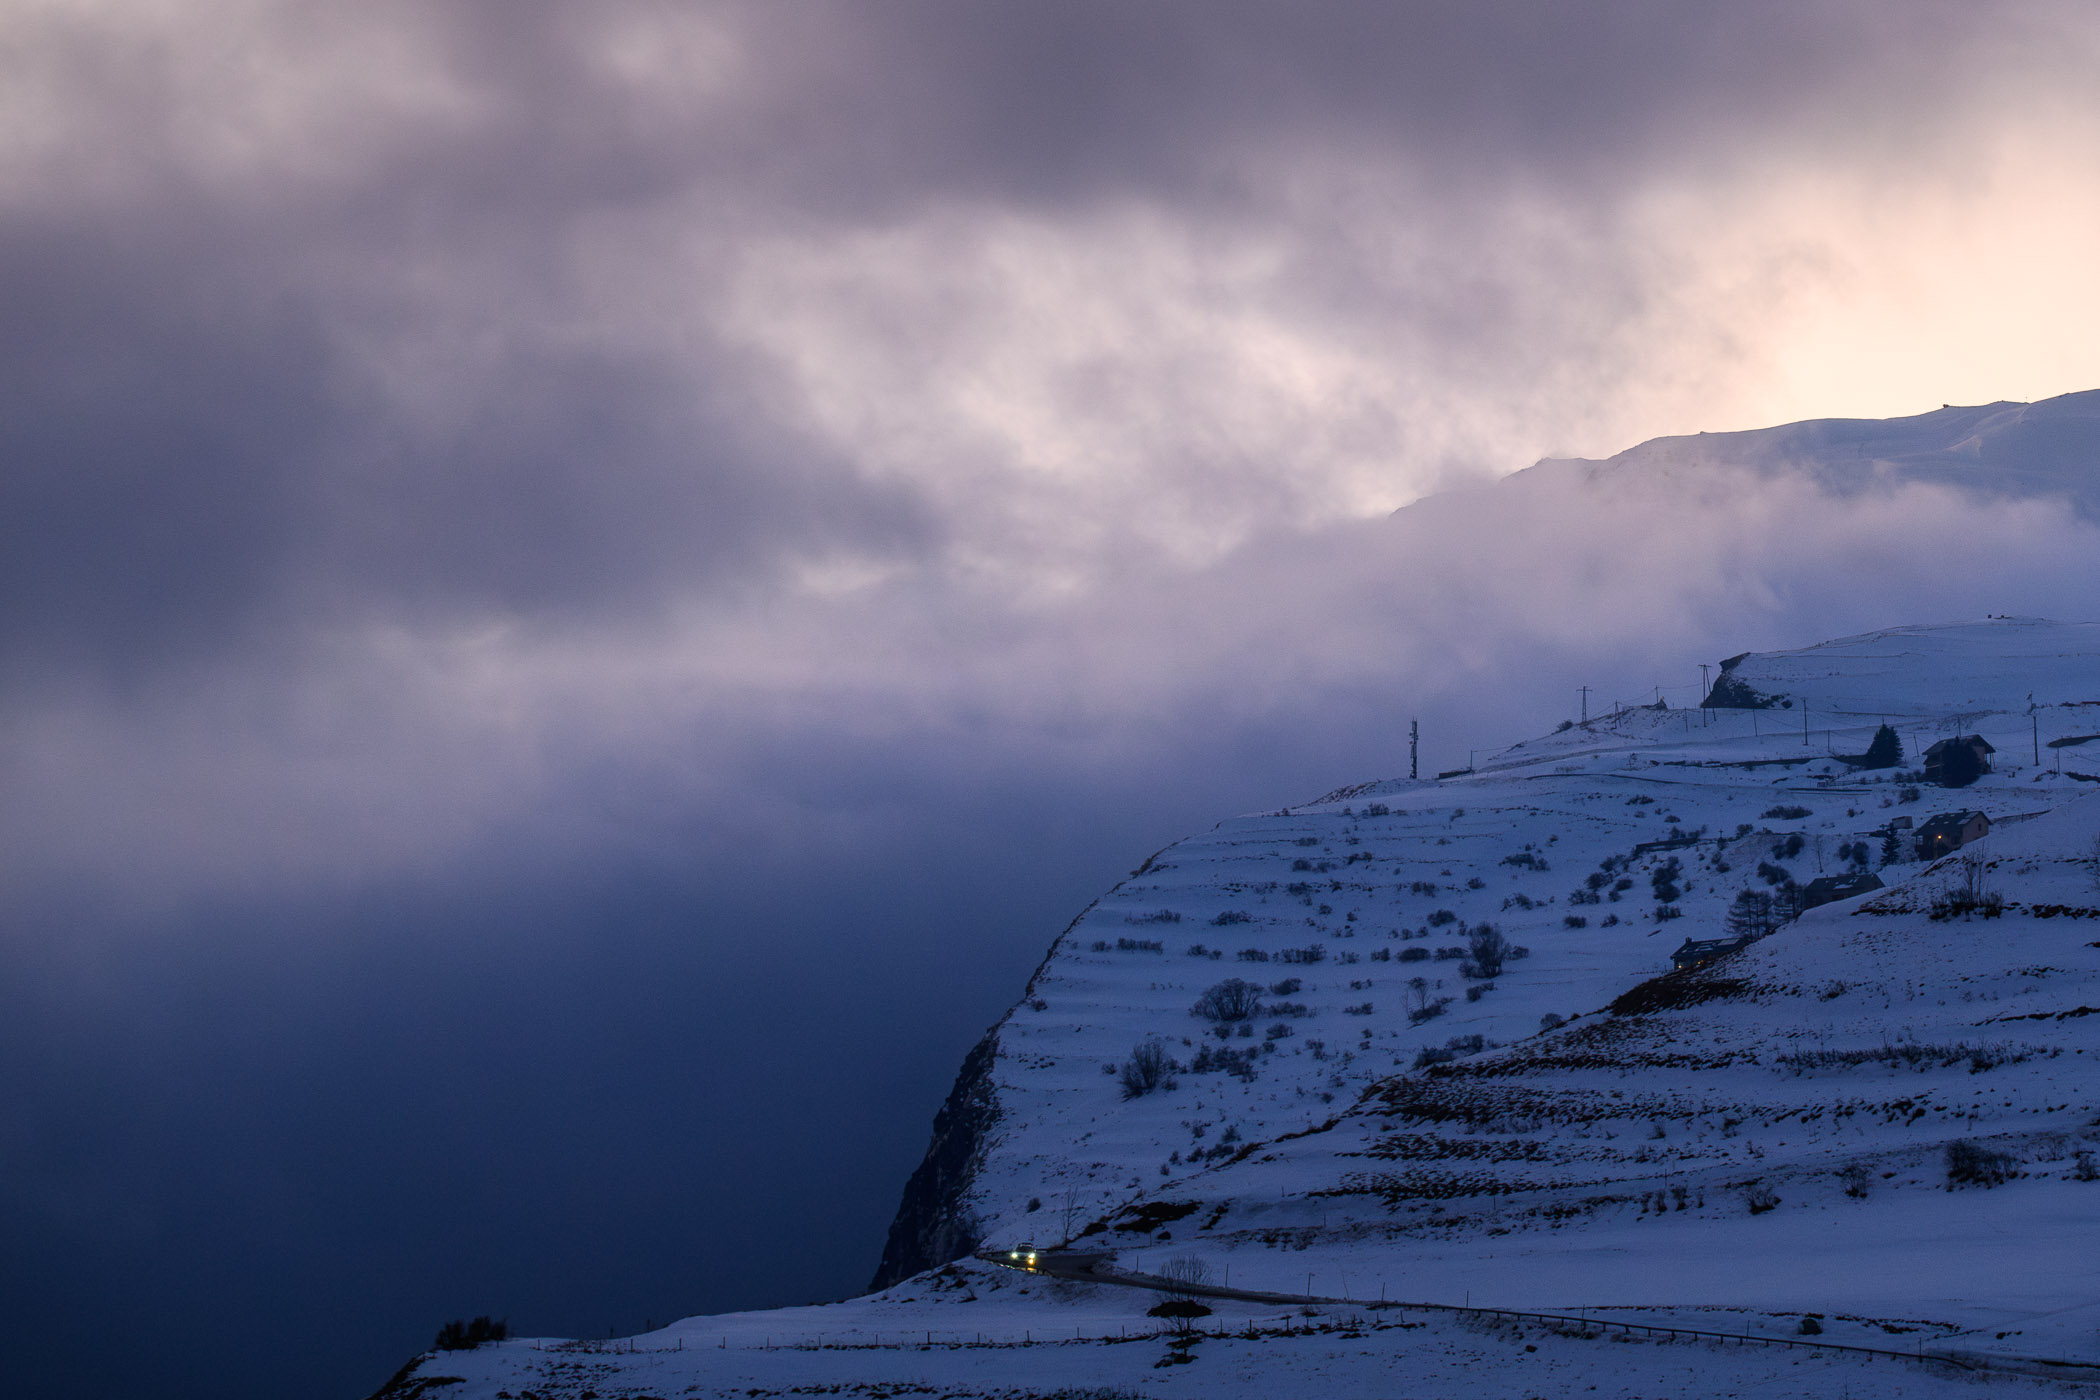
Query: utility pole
column 1704, row 692
column 1585, row 704
column 1414, row 748
column 1804, row 724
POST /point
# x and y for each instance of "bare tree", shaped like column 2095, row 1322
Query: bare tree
column 1487, row 949
column 1184, row 1274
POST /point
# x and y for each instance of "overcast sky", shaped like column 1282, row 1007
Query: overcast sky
column 583, row 588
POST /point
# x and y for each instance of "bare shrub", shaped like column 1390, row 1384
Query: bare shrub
column 461, row 1335
column 1234, row 999
column 1970, row 1163
column 1145, row 1070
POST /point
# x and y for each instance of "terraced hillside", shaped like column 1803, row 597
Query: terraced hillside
column 1257, row 981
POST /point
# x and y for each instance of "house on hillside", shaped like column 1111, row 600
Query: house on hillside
column 1959, row 761
column 1698, row 952
column 1827, row 889
column 1949, row 832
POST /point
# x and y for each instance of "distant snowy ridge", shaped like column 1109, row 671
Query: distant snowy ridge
column 2009, row 451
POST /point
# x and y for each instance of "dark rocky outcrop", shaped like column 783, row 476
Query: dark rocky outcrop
column 1732, row 693
column 932, row 1227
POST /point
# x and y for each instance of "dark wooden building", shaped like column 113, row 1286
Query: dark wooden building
column 1698, row 952
column 1949, row 832
column 1941, row 768
column 1827, row 889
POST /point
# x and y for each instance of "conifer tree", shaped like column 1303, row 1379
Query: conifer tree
column 1885, row 752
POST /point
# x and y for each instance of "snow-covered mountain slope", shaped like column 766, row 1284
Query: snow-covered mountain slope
column 1886, row 1109
column 2047, row 449
column 1596, row 851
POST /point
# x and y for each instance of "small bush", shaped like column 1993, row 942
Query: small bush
column 1787, row 814
column 1551, row 1022
column 1232, row 916
column 1760, row 1198
column 1857, row 1180
column 1413, row 955
column 1970, row 1163
column 1810, row 1327
column 1441, row 917
column 1574, row 921
column 459, row 1335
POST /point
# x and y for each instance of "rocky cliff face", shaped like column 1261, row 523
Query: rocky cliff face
column 932, row 1225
